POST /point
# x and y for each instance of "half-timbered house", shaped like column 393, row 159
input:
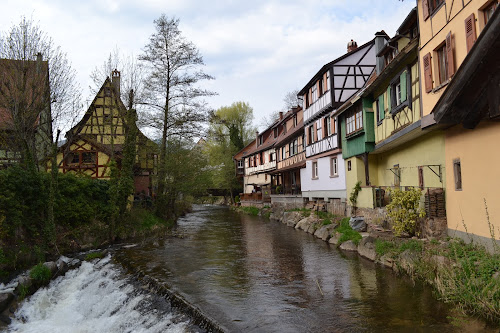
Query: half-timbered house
column 99, row 138
column 323, row 177
column 259, row 161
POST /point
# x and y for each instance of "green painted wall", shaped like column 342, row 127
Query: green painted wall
column 363, row 142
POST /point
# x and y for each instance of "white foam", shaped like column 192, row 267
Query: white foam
column 93, row 298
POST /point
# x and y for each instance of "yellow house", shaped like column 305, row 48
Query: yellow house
column 100, row 136
column 383, row 143
column 462, row 94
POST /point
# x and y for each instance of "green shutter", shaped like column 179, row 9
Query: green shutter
column 389, row 98
column 381, row 107
column 402, row 82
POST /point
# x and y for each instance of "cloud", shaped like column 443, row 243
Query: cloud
column 257, row 50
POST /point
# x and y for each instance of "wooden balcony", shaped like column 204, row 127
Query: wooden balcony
column 292, row 160
column 326, row 144
column 260, row 168
column 321, row 104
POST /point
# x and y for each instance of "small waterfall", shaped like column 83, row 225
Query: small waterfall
column 94, row 298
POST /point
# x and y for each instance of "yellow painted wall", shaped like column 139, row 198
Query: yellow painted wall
column 450, row 17
column 404, row 117
column 477, row 150
column 425, row 150
column 357, row 173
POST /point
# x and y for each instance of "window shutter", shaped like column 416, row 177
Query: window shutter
column 315, row 132
column 325, row 82
column 425, row 9
column 318, row 88
column 449, row 55
column 427, row 72
column 402, row 82
column 470, row 31
column 389, row 98
column 332, row 125
column 310, row 96
column 306, row 136
column 381, row 107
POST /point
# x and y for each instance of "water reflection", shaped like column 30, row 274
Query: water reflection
column 253, row 275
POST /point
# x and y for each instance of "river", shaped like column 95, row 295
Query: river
column 247, row 274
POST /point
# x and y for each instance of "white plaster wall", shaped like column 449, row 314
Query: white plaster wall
column 324, row 181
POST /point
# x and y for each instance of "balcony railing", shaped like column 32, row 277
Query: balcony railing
column 321, row 103
column 290, row 190
column 300, row 157
column 323, row 145
column 260, row 168
column 255, row 196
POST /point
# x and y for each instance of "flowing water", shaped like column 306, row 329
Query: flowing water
column 247, row 274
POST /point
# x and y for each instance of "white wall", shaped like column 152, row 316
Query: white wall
column 324, row 182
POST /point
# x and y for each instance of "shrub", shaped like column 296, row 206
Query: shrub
column 353, row 198
column 40, row 273
column 412, row 245
column 404, row 210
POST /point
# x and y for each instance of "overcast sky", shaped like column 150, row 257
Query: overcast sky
column 256, row 50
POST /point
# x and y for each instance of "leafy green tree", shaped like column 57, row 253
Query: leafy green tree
column 230, row 130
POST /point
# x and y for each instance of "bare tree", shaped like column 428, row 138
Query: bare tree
column 174, row 102
column 291, row 100
column 37, row 91
column 131, row 78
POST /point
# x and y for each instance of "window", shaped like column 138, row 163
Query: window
column 240, row 164
column 334, row 128
column 314, row 169
column 354, row 121
column 349, row 166
column 442, row 64
column 430, row 6
column 489, row 10
column 261, row 140
column 88, row 157
column 310, row 134
column 283, row 156
column 295, row 121
column 334, row 167
column 457, row 171
column 290, row 149
column 107, row 91
column 380, row 108
column 328, row 126
column 314, row 93
column 434, row 4
column 272, row 157
column 303, row 142
column 397, row 91
column 275, row 132
column 73, row 158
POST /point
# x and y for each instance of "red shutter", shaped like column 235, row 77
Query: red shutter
column 332, row 125
column 425, row 9
column 315, row 131
column 318, row 89
column 449, row 55
column 325, row 83
column 306, row 136
column 310, row 96
column 470, row 31
column 427, row 72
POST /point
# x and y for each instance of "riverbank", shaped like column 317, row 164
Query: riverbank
column 465, row 275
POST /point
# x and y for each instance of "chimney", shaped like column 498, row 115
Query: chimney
column 39, row 60
column 281, row 115
column 351, row 46
column 115, row 80
column 380, row 41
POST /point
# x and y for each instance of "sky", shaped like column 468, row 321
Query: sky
column 256, row 50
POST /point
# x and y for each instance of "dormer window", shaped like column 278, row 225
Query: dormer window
column 275, row 132
column 295, row 121
column 261, row 139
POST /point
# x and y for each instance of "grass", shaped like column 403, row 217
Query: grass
column 94, row 255
column 383, row 247
column 23, row 291
column 250, row 210
column 327, row 221
column 347, row 232
column 40, row 273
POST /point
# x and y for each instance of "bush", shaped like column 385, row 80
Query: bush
column 404, row 210
column 40, row 273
